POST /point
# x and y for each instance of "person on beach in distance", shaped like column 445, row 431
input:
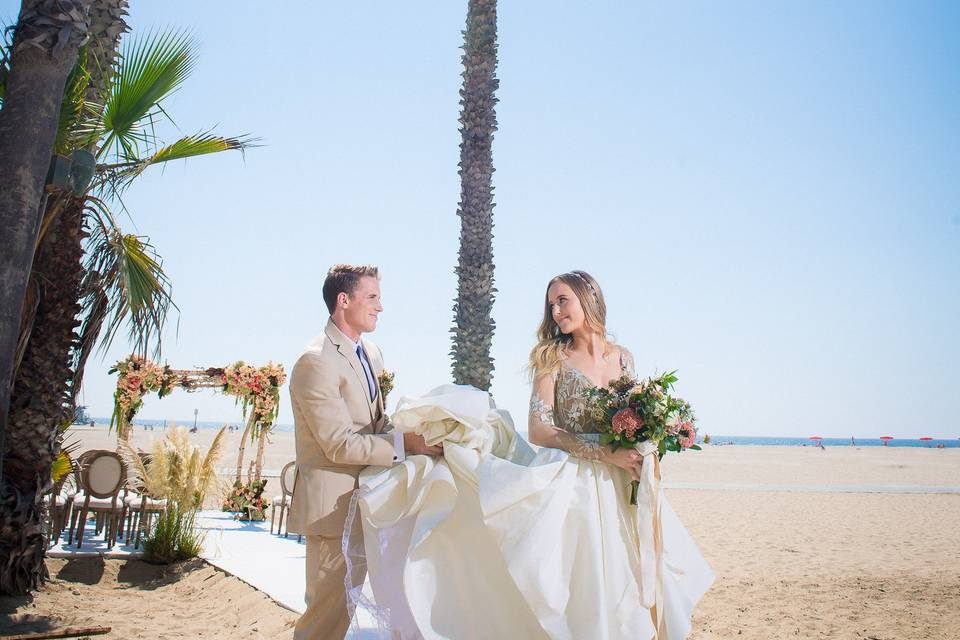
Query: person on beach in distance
column 339, row 428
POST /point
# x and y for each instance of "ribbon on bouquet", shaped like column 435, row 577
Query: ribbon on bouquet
column 650, row 538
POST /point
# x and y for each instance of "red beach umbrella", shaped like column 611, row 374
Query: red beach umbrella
column 815, row 438
column 924, row 438
column 885, row 438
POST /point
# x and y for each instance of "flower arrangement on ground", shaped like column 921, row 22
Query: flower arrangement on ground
column 246, row 501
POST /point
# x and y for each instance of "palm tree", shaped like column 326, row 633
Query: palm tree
column 473, row 331
column 33, row 71
column 45, row 43
column 120, row 281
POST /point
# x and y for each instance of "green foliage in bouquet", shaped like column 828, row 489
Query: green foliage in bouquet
column 246, row 500
column 629, row 412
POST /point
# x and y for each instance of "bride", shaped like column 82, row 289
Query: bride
column 497, row 540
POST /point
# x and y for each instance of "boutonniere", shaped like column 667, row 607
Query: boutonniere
column 386, row 383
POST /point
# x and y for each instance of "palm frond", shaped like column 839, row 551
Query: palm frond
column 150, row 69
column 6, row 46
column 73, row 107
column 62, row 465
column 120, row 174
column 124, row 283
column 64, row 462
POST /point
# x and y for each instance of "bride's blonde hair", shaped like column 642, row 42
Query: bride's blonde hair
column 545, row 356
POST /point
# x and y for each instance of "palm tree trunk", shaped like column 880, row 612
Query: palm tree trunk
column 107, row 25
column 474, row 325
column 45, row 46
column 41, row 403
column 45, row 385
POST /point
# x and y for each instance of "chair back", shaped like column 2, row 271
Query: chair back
column 288, row 477
column 79, row 463
column 104, row 474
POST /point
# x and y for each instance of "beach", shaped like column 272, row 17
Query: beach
column 844, row 542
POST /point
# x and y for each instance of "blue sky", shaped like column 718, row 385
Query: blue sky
column 768, row 193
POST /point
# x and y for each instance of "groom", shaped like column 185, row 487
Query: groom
column 340, row 428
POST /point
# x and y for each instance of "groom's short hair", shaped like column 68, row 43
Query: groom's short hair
column 344, row 277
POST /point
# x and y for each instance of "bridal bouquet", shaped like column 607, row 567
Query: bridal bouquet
column 629, row 412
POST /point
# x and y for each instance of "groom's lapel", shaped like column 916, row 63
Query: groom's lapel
column 345, row 349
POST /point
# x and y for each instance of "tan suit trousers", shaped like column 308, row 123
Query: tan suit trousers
column 327, row 616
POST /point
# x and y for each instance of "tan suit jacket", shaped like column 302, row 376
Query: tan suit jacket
column 338, row 430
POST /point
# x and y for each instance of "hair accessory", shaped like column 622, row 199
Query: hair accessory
column 587, row 282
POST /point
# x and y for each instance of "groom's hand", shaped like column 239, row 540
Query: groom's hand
column 414, row 444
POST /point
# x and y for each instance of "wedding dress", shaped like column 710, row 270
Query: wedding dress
column 495, row 540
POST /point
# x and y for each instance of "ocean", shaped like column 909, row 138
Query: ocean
column 714, row 439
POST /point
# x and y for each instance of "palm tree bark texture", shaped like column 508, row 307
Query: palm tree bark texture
column 474, row 325
column 47, row 37
column 45, row 384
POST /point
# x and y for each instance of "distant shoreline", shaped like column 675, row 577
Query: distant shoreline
column 715, row 440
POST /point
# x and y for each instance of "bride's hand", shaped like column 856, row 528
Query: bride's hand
column 414, row 444
column 627, row 459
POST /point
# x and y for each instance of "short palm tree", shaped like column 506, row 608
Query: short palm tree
column 85, row 265
column 474, row 325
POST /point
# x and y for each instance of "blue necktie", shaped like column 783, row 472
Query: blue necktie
column 367, row 372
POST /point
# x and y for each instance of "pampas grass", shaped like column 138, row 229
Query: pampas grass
column 174, row 536
column 178, row 473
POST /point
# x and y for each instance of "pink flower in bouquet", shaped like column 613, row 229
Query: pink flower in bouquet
column 133, row 382
column 627, row 422
column 688, row 435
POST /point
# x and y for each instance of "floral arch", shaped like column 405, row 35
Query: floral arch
column 256, row 388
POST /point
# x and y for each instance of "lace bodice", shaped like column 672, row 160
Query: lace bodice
column 559, row 403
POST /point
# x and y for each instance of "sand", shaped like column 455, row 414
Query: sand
column 278, row 452
column 821, row 564
column 140, row 600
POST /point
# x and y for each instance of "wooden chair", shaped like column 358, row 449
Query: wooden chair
column 102, row 476
column 78, row 464
column 60, row 507
column 139, row 508
column 288, row 477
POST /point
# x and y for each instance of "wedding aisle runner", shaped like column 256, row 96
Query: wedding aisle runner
column 268, row 562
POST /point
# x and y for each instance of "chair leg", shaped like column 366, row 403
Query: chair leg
column 121, row 522
column 51, row 520
column 67, row 515
column 144, row 517
column 73, row 525
column 80, row 527
column 115, row 519
column 131, row 518
column 273, row 511
column 283, row 510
